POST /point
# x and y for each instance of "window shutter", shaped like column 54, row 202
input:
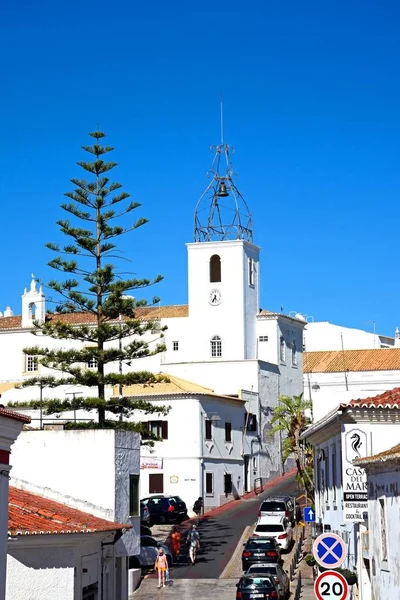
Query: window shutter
column 164, row 427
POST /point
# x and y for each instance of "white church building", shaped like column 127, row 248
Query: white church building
column 221, row 339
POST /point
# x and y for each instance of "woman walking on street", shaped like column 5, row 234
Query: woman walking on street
column 161, row 565
column 176, row 542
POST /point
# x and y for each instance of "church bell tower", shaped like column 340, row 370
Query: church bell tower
column 223, row 268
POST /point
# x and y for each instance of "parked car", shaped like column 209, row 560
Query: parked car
column 279, row 506
column 145, row 530
column 148, row 553
column 277, row 572
column 250, row 587
column 165, row 509
column 260, row 550
column 277, row 527
column 144, row 514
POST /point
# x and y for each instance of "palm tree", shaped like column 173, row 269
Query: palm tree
column 290, row 418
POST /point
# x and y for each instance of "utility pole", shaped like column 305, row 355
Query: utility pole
column 73, row 394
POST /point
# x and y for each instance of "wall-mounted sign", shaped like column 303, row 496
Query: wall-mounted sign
column 151, row 462
column 174, row 479
column 355, row 490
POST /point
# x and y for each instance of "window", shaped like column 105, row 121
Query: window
column 216, row 347
column 334, row 474
column 159, row 429
column 31, row 363
column 251, row 272
column 227, row 483
column 263, row 338
column 156, row 483
column 175, row 346
column 133, row 495
column 215, row 268
column 250, row 421
column 228, row 432
column 382, row 519
column 209, row 484
column 294, row 354
column 327, row 476
column 282, row 351
column 208, row 429
column 92, row 363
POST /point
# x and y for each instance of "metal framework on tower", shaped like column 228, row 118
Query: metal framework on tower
column 221, row 212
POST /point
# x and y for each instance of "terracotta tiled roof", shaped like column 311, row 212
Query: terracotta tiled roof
column 10, row 414
column 379, row 359
column 387, row 455
column 175, row 385
column 143, row 313
column 389, row 399
column 29, row 513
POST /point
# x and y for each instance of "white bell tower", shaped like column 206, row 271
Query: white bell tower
column 223, row 270
column 33, row 305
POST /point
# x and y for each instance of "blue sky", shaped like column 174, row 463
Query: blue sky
column 312, row 98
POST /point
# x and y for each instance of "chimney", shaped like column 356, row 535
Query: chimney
column 8, row 312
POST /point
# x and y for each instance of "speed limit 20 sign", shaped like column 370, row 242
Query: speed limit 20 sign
column 331, row 585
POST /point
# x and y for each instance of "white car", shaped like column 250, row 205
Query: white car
column 276, row 527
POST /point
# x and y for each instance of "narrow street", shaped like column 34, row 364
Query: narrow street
column 220, row 535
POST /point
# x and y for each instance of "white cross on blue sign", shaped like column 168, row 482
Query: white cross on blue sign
column 329, row 550
column 309, row 515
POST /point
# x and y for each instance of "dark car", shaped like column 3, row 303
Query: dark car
column 279, row 575
column 165, row 509
column 278, row 506
column 262, row 587
column 260, row 550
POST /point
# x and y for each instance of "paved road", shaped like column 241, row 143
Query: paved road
column 221, row 533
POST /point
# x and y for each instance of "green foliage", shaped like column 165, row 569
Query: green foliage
column 289, row 417
column 95, row 291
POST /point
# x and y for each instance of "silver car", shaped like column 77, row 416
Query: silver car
column 279, row 575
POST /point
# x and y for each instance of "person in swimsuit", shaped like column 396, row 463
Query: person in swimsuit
column 161, row 565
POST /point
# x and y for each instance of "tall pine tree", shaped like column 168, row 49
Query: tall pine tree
column 95, row 304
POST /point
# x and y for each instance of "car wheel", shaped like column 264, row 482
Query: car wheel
column 163, row 519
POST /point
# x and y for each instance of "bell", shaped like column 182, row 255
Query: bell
column 222, row 193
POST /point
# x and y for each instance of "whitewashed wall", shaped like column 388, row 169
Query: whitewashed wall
column 87, row 469
column 385, row 575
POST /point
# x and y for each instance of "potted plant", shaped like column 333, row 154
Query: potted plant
column 310, row 560
column 349, row 576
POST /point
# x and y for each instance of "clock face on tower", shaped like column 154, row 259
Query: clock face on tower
column 215, row 297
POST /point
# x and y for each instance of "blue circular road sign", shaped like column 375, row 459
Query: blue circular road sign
column 329, row 550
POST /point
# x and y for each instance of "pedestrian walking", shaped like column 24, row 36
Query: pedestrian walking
column 193, row 540
column 176, row 542
column 197, row 508
column 161, row 565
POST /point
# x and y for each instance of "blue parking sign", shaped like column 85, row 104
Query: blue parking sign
column 309, row 515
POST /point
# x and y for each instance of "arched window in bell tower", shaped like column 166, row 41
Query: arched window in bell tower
column 215, row 268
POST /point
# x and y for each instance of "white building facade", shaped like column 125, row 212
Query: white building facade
column 360, row 428
column 205, row 438
column 11, row 425
column 96, row 471
column 380, row 547
column 55, row 551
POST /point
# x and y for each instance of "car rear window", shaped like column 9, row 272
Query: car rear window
column 273, row 507
column 259, row 570
column 255, row 544
column 246, row 582
column 271, row 528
